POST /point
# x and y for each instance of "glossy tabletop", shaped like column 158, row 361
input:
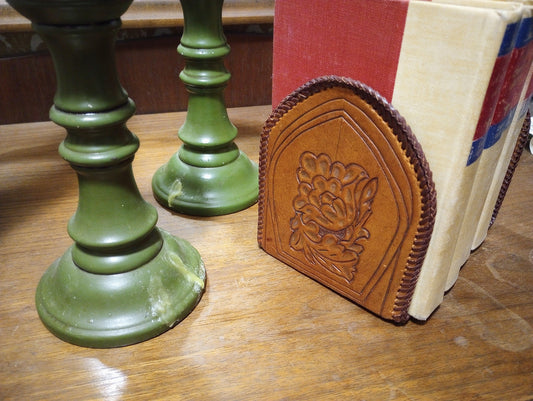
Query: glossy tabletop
column 262, row 331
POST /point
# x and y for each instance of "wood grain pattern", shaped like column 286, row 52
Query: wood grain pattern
column 262, row 331
column 346, row 194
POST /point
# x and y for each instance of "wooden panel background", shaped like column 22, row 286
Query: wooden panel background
column 147, row 59
column 148, row 69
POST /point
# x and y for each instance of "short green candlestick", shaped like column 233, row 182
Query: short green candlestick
column 124, row 280
column 208, row 175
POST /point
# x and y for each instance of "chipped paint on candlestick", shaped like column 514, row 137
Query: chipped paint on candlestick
column 175, row 191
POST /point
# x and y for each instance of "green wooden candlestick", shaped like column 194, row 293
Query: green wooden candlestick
column 124, row 280
column 208, row 175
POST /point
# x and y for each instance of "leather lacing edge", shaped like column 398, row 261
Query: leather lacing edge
column 413, row 151
column 515, row 158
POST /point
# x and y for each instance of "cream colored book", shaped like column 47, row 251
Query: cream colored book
column 507, row 150
column 465, row 41
column 509, row 76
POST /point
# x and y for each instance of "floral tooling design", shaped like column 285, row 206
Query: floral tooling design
column 334, row 202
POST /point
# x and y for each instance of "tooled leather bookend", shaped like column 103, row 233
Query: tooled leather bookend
column 346, row 196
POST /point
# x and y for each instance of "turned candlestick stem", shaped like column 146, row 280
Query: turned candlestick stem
column 208, row 175
column 124, row 280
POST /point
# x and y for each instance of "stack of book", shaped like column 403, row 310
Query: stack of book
column 458, row 71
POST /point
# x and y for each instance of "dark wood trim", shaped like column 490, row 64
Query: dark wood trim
column 148, row 69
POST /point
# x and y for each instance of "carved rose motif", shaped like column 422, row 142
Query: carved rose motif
column 333, row 203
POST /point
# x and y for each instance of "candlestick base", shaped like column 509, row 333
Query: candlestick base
column 206, row 191
column 113, row 310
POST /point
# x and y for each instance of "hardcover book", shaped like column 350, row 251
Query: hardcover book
column 433, row 61
column 508, row 79
column 519, row 94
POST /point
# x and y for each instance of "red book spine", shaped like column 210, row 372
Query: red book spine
column 322, row 43
column 496, row 83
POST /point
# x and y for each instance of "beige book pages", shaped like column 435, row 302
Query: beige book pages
column 484, row 175
column 501, row 169
column 485, row 218
column 440, row 90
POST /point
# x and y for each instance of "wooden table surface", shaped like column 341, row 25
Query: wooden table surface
column 262, row 331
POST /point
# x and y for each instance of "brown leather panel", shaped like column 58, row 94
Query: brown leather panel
column 346, row 195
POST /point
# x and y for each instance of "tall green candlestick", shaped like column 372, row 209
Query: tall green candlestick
column 124, row 280
column 208, row 175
